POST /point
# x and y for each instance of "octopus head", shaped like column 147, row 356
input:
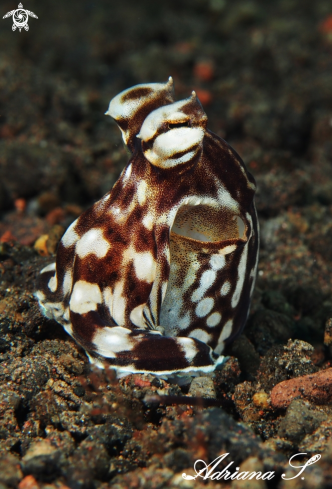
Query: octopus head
column 169, row 133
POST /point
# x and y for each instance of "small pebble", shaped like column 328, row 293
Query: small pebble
column 202, row 387
column 41, row 245
column 29, row 482
column 317, row 388
column 261, row 400
column 20, row 205
column 204, row 70
column 10, row 472
column 301, row 418
column 41, row 460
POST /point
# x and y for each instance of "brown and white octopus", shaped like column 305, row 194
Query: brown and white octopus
column 157, row 276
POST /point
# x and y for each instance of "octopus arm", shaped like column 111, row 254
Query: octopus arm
column 140, row 351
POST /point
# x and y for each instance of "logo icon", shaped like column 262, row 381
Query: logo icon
column 20, row 18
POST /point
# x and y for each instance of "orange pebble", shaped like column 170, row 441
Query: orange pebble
column 261, row 400
column 7, row 237
column 204, row 70
column 29, row 482
column 20, row 205
column 204, row 96
column 141, row 382
column 326, row 25
column 316, row 388
column 41, row 245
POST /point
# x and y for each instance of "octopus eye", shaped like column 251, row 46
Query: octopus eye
column 174, row 125
column 176, row 131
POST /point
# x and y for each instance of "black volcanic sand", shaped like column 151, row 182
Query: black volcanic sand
column 263, row 71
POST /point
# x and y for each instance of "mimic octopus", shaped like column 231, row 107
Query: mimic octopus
column 157, row 276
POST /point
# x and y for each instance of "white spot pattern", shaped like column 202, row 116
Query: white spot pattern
column 48, row 268
column 108, row 299
column 145, row 266
column 200, row 335
column 207, row 279
column 85, row 297
column 204, row 307
column 136, row 316
column 225, row 288
column 120, row 301
column 67, row 282
column 217, row 261
column 53, row 283
column 92, row 242
column 228, row 249
column 142, row 192
column 109, row 341
column 127, row 172
column 148, row 221
column 225, row 333
column 70, row 237
column 188, row 348
column 241, row 270
column 40, row 295
column 225, row 198
column 213, row 319
column 184, row 322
